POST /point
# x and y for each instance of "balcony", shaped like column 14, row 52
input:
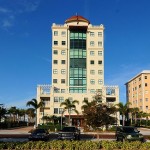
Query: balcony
column 44, row 90
column 111, row 93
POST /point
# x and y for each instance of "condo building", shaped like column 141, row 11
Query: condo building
column 77, row 68
column 138, row 91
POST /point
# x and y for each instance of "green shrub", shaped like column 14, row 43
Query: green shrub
column 75, row 145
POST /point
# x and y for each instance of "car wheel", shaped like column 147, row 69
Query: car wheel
column 117, row 139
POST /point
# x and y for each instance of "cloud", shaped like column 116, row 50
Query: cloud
column 6, row 23
column 10, row 13
column 4, row 10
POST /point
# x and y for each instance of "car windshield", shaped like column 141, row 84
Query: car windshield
column 130, row 130
column 68, row 129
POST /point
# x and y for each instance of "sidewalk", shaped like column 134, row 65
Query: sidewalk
column 22, row 130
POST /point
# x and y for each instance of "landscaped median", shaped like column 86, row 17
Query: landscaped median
column 75, row 145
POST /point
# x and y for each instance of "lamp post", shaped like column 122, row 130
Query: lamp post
column 43, row 109
column 62, row 118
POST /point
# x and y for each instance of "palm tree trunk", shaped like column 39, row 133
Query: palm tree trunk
column 123, row 120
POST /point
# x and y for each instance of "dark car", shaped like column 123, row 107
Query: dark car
column 39, row 134
column 128, row 133
column 69, row 133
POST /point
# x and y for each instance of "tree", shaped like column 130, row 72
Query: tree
column 13, row 111
column 70, row 106
column 31, row 114
column 3, row 112
column 21, row 113
column 34, row 103
column 97, row 114
column 124, row 110
column 87, row 104
column 134, row 112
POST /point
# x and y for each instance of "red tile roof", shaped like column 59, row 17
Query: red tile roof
column 77, row 18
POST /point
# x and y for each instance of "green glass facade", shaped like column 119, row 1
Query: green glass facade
column 77, row 54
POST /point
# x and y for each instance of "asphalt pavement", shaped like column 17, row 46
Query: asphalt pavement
column 24, row 133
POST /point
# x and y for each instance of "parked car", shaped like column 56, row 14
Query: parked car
column 69, row 133
column 39, row 134
column 128, row 133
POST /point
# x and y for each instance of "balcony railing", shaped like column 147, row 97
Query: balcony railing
column 45, row 89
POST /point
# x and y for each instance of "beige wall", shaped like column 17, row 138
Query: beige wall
column 138, row 93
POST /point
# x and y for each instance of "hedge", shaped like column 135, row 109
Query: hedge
column 75, row 145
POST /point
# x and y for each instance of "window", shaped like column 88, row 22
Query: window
column 55, row 71
column 63, row 61
column 91, row 33
column 55, row 42
column 61, row 110
column 63, row 33
column 63, row 71
column 140, row 107
column 99, row 53
column 145, row 77
column 146, row 92
column 100, row 34
column 92, row 62
column 55, row 110
column 100, row 81
column 92, row 81
column 55, row 99
column 100, row 72
column 54, row 80
column 56, row 90
column 63, row 52
column 146, row 107
column 92, row 43
column 140, row 86
column 62, row 90
column 55, row 52
column 140, row 79
column 145, row 84
column 55, row 61
column 63, row 81
column 91, row 53
column 100, row 62
column 63, row 42
column 146, row 99
column 140, row 100
column 92, row 91
column 61, row 99
column 99, row 43
column 92, row 71
column 55, row 33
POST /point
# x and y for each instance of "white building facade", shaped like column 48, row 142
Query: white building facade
column 77, row 68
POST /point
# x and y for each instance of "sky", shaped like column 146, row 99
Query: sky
column 25, row 42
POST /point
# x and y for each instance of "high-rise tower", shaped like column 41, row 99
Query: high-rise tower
column 77, row 66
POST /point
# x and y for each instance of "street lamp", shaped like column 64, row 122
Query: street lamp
column 62, row 117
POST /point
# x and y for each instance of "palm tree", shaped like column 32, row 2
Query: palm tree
column 86, row 105
column 134, row 112
column 70, row 106
column 31, row 114
column 34, row 103
column 21, row 113
column 3, row 112
column 13, row 111
column 123, row 109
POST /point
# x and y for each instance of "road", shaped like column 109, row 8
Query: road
column 21, row 134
